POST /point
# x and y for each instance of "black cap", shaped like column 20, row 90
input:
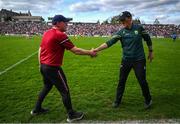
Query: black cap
column 124, row 15
column 60, row 18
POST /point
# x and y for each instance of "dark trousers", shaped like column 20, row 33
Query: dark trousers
column 54, row 76
column 139, row 68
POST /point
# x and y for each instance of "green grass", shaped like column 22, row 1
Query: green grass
column 92, row 83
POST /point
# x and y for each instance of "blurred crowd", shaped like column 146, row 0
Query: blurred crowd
column 22, row 28
column 84, row 29
column 93, row 29
column 162, row 30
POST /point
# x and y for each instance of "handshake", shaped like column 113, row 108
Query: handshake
column 93, row 52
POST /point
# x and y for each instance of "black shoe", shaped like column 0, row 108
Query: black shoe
column 147, row 104
column 40, row 111
column 115, row 105
column 75, row 116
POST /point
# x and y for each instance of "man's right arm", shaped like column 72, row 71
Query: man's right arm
column 66, row 43
column 80, row 51
column 109, row 43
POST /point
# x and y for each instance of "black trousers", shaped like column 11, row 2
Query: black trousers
column 54, row 76
column 139, row 68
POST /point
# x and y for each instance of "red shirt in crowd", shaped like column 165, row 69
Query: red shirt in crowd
column 53, row 44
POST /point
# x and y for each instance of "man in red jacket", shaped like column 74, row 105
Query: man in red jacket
column 51, row 52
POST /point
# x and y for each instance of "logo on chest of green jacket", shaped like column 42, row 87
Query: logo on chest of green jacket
column 136, row 32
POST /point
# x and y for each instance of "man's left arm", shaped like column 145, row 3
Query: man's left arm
column 39, row 57
column 148, row 40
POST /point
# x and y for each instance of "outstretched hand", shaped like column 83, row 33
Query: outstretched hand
column 95, row 50
column 93, row 53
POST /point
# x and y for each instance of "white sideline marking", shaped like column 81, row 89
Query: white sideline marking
column 14, row 65
column 150, row 121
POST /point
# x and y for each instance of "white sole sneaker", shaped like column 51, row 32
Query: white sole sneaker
column 32, row 113
column 75, row 119
column 149, row 105
column 40, row 112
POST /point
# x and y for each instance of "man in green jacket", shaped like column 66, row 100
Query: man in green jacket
column 133, row 56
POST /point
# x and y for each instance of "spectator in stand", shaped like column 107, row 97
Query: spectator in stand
column 86, row 29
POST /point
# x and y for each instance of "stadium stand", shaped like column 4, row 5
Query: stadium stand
column 8, row 25
column 85, row 29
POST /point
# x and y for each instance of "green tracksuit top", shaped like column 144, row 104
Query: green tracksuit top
column 131, row 41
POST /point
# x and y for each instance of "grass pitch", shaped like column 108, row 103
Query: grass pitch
column 92, row 83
